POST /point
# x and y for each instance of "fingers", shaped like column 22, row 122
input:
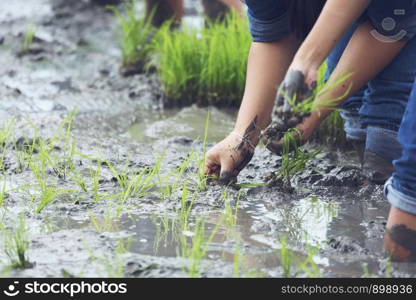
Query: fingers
column 275, row 146
column 228, row 173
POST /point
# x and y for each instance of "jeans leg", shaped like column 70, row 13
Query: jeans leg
column 400, row 190
column 353, row 125
column 386, row 101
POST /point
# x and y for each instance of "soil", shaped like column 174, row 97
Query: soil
column 73, row 63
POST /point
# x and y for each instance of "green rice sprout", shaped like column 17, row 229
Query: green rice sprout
column 3, row 191
column 309, row 105
column 5, row 136
column 16, row 244
column 309, row 266
column 104, row 223
column 230, row 212
column 286, row 257
column 186, row 207
column 237, row 262
column 134, row 37
column 196, row 251
column 331, row 131
column 27, row 40
column 294, row 159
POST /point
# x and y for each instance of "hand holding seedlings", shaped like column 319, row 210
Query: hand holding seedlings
column 293, row 90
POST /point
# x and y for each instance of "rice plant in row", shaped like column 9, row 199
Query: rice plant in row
column 134, row 37
column 206, row 66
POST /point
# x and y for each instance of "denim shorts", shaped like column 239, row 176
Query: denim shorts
column 269, row 19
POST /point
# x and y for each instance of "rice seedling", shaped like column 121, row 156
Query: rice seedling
column 134, row 37
column 95, row 179
column 230, row 213
column 5, row 136
column 186, row 207
column 197, row 250
column 206, row 66
column 237, row 262
column 286, row 258
column 294, row 159
column 27, row 40
column 202, row 177
column 79, row 180
column 16, row 244
column 3, row 191
column 105, row 223
column 331, row 131
column 136, row 184
column 309, row 266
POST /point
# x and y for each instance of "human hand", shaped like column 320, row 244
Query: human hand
column 226, row 159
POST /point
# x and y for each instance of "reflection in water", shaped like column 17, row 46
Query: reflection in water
column 188, row 122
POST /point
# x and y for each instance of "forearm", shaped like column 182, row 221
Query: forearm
column 362, row 66
column 336, row 17
column 267, row 66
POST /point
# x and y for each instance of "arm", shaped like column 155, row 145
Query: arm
column 267, row 64
column 334, row 21
column 364, row 57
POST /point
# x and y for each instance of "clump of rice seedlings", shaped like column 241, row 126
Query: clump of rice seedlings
column 331, row 131
column 48, row 193
column 206, row 66
column 294, row 159
column 308, row 266
column 16, row 244
column 230, row 213
column 104, row 223
column 134, row 38
column 164, row 225
column 136, row 184
column 186, row 207
column 79, row 180
column 196, row 250
column 27, row 40
column 3, row 191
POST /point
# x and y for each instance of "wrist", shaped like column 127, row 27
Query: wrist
column 251, row 140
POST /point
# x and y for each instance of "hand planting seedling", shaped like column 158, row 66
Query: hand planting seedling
column 294, row 102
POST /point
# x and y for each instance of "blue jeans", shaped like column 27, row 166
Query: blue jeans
column 375, row 112
column 400, row 190
column 270, row 21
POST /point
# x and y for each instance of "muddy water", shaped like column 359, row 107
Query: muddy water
column 334, row 216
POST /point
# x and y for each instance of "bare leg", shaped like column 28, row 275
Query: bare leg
column 237, row 5
column 164, row 10
column 400, row 237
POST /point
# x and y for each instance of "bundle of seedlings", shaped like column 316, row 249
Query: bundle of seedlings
column 206, row 66
column 135, row 39
column 289, row 112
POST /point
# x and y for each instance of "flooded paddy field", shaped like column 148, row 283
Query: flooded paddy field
column 100, row 180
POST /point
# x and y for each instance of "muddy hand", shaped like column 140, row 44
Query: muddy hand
column 226, row 159
column 293, row 89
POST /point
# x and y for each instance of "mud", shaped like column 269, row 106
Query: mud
column 121, row 121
